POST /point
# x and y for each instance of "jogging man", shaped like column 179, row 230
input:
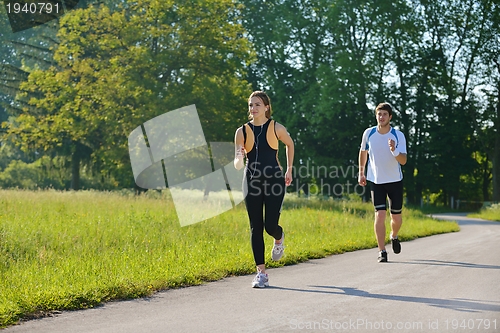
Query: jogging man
column 386, row 150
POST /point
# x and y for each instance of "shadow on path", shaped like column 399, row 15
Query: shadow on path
column 462, row 219
column 453, row 304
column 444, row 263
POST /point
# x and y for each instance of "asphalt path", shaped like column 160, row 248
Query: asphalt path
column 442, row 283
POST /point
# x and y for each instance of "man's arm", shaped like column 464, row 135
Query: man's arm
column 400, row 157
column 363, row 156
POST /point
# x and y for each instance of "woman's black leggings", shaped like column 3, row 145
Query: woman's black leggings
column 267, row 192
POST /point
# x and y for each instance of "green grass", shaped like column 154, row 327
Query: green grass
column 488, row 213
column 73, row 250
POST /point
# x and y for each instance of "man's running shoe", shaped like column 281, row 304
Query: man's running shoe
column 396, row 245
column 261, row 280
column 278, row 249
column 382, row 257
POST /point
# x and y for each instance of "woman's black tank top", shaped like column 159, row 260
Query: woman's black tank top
column 261, row 145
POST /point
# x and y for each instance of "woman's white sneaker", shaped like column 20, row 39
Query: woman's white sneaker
column 261, row 280
column 278, row 249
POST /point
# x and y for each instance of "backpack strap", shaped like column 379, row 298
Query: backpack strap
column 248, row 137
column 393, row 132
column 372, row 131
column 244, row 128
column 271, row 136
column 244, row 133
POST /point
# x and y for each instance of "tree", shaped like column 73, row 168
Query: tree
column 117, row 69
column 327, row 64
column 488, row 129
column 459, row 31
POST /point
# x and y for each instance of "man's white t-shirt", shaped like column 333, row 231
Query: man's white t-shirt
column 382, row 165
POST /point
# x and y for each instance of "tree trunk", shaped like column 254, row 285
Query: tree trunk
column 486, row 180
column 496, row 149
column 496, row 164
column 75, row 170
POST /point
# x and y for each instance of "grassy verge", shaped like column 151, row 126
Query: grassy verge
column 73, row 250
column 489, row 213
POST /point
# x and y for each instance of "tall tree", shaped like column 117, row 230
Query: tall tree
column 117, row 69
column 488, row 129
column 422, row 56
column 459, row 31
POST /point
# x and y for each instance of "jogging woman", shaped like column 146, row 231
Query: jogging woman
column 264, row 184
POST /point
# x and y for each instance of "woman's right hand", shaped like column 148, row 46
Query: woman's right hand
column 240, row 152
column 238, row 157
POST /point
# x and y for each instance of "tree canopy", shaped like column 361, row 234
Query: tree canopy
column 106, row 68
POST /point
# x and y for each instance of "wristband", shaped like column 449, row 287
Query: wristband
column 395, row 152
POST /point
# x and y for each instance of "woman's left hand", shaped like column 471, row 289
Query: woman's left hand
column 288, row 178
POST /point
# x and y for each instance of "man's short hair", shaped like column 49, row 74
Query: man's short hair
column 384, row 106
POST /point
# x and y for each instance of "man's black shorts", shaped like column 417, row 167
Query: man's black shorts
column 394, row 191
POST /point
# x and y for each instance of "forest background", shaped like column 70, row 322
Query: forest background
column 73, row 89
